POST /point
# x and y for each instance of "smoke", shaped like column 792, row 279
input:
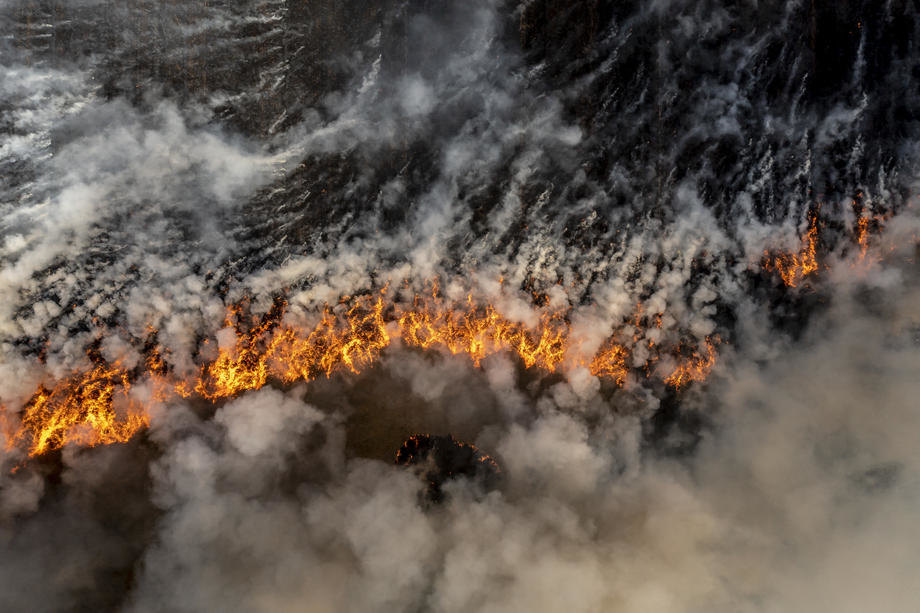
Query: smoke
column 630, row 167
column 803, row 495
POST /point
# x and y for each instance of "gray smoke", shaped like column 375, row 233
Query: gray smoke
column 804, row 495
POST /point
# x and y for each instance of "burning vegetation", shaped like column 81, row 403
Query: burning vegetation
column 91, row 408
column 98, row 406
column 696, row 368
column 794, row 267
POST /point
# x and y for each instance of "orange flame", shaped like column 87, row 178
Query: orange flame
column 866, row 226
column 350, row 341
column 95, row 407
column 793, row 267
column 87, row 409
column 610, row 362
column 482, row 331
column 696, row 368
column 862, row 236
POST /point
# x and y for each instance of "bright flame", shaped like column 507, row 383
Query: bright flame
column 793, row 267
column 96, row 408
column 696, row 368
column 862, row 236
column 87, row 409
column 866, row 226
column 482, row 331
column 610, row 362
column 349, row 340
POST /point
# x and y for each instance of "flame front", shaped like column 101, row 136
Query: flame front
column 89, row 409
column 610, row 362
column 97, row 407
column 482, row 331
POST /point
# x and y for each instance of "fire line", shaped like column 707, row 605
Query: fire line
column 97, row 407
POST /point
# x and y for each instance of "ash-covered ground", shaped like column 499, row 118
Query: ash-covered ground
column 669, row 174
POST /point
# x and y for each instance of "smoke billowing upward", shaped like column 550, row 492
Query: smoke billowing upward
column 439, row 306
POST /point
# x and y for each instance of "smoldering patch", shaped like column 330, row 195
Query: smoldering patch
column 438, row 459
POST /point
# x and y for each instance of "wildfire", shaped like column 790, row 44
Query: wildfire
column 793, row 267
column 862, row 236
column 87, row 409
column 696, row 368
column 866, row 226
column 96, row 407
column 610, row 362
column 349, row 340
column 482, row 331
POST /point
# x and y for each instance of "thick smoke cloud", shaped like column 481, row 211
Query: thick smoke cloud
column 164, row 161
column 803, row 496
